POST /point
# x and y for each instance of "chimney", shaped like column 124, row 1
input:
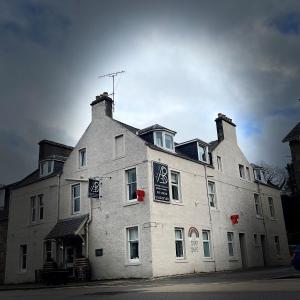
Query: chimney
column 226, row 129
column 103, row 105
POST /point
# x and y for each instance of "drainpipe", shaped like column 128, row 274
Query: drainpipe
column 210, row 219
column 87, row 229
column 58, row 195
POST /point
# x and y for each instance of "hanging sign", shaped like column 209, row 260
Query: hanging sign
column 161, row 182
column 93, row 188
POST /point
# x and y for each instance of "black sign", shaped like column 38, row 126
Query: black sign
column 99, row 252
column 161, row 182
column 93, row 188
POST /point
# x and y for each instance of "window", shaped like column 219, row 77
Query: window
column 230, row 240
column 255, row 239
column 179, row 242
column 76, row 198
column 133, row 244
column 206, row 243
column 242, row 171
column 248, row 173
column 119, row 146
column 46, row 167
column 257, row 205
column 131, row 184
column 2, row 198
column 211, row 194
column 48, row 251
column 175, row 183
column 271, row 207
column 33, row 208
column 163, row 140
column 41, row 207
column 203, row 153
column 259, row 175
column 23, row 257
column 82, row 158
column 277, row 244
column 219, row 163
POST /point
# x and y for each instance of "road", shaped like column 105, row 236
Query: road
column 276, row 283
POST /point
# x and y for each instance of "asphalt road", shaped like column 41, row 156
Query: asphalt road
column 273, row 284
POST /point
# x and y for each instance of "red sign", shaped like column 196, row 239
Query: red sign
column 140, row 194
column 234, row 219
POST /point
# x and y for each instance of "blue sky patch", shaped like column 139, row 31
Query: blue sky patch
column 288, row 24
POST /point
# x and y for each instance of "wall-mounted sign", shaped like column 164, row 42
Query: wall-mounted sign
column 161, row 182
column 193, row 234
column 99, row 252
column 93, row 188
column 194, row 231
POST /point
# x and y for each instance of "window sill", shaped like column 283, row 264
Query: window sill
column 181, row 260
column 215, row 209
column 177, row 203
column 259, row 217
column 137, row 263
column 129, row 203
column 161, row 201
column 233, row 260
column 208, row 259
column 119, row 157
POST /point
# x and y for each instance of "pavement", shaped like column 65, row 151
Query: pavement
column 266, row 283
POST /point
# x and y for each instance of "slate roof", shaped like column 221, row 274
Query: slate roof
column 66, row 227
column 191, row 141
column 294, row 134
column 153, row 128
column 130, row 128
column 213, row 145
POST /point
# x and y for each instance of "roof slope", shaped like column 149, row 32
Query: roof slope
column 294, row 134
column 154, row 127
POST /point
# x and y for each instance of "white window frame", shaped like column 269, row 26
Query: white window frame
column 75, row 198
column 119, row 155
column 180, row 240
column 271, row 207
column 47, row 250
column 23, row 254
column 248, row 176
column 33, row 209
column 178, row 185
column 205, row 148
column 219, row 163
column 242, row 174
column 127, row 183
column 163, row 133
column 39, row 206
column 214, row 193
column 47, row 172
column 206, row 241
column 80, row 162
column 128, row 242
column 257, row 204
column 230, row 243
column 277, row 245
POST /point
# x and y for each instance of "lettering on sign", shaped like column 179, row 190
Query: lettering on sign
column 161, row 182
column 193, row 234
column 93, row 188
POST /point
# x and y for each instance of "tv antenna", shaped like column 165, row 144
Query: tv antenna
column 112, row 75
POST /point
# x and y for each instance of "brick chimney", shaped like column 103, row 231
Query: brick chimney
column 103, row 105
column 226, row 129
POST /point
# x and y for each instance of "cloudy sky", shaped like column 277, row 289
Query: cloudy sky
column 185, row 61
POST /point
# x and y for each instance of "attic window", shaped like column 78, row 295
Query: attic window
column 46, row 167
column 259, row 175
column 164, row 140
column 203, row 153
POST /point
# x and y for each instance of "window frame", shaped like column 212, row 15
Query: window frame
column 47, row 250
column 206, row 241
column 23, row 257
column 205, row 151
column 231, row 243
column 128, row 244
column 178, row 185
column 182, row 241
column 82, row 150
column 277, row 245
column 39, row 198
column 248, row 176
column 259, row 213
column 255, row 239
column 219, row 163
column 214, row 193
column 242, row 174
column 33, row 209
column 271, row 207
column 47, row 161
column 74, row 198
column 163, row 134
column 127, row 183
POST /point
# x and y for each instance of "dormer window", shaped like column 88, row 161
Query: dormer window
column 259, row 175
column 46, row 167
column 164, row 140
column 203, row 153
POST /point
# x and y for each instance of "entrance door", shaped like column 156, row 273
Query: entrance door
column 70, row 259
column 263, row 248
column 243, row 250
